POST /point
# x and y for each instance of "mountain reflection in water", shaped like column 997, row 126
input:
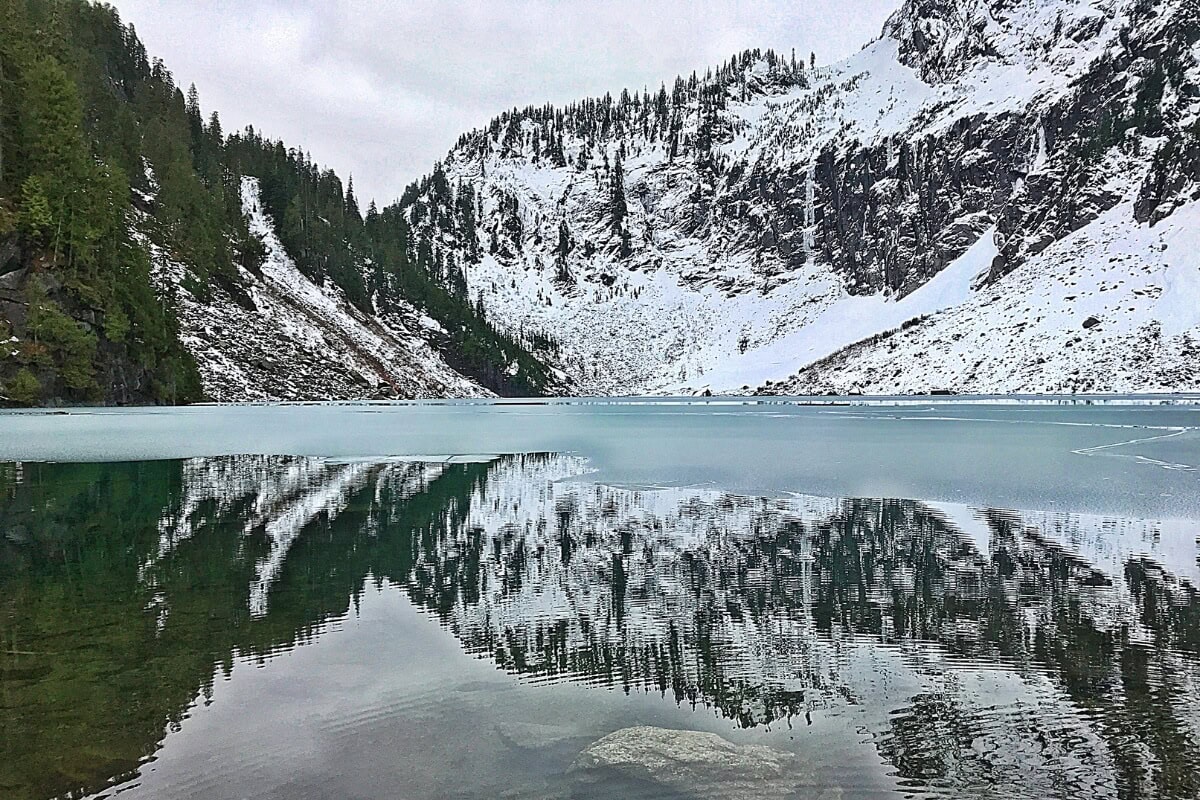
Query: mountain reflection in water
column 990, row 652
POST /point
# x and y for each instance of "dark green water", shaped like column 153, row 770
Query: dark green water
column 298, row 627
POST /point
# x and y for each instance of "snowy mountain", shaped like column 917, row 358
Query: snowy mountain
column 280, row 336
column 993, row 196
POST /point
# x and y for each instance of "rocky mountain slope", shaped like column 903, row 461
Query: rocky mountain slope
column 995, row 195
column 281, row 336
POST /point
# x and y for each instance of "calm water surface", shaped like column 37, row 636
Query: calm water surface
column 372, row 621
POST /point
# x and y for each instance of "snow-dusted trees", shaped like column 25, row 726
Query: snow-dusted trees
column 537, row 132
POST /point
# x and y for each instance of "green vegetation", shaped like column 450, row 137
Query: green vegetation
column 104, row 160
column 77, row 101
column 24, row 388
column 388, row 257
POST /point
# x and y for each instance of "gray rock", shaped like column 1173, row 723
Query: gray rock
column 691, row 763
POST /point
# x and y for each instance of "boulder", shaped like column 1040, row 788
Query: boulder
column 691, row 763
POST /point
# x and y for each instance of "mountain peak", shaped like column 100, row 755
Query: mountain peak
column 939, row 38
column 762, row 216
column 942, row 39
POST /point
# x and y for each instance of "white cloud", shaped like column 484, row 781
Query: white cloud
column 383, row 89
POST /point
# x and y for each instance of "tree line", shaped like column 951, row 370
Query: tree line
column 108, row 167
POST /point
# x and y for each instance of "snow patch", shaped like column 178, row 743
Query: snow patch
column 1179, row 307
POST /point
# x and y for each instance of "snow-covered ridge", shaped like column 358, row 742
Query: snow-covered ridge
column 993, row 171
column 295, row 340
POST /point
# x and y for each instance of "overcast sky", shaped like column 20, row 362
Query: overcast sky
column 381, row 90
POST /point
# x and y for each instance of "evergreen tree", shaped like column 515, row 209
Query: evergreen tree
column 85, row 115
column 351, row 202
column 618, row 208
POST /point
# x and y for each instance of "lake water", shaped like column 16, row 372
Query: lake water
column 469, row 600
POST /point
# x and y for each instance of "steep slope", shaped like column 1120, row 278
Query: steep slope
column 128, row 252
column 79, row 320
column 1005, row 154
column 1096, row 286
column 286, row 338
column 1112, row 307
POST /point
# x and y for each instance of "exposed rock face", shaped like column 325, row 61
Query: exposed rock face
column 692, row 763
column 888, row 222
column 120, row 378
column 762, row 206
column 942, row 38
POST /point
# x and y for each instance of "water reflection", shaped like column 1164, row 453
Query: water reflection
column 982, row 652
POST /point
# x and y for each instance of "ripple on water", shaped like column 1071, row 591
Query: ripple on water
column 308, row 628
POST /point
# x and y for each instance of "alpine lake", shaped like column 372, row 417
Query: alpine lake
column 829, row 598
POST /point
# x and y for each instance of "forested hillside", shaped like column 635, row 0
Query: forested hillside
column 108, row 170
column 81, row 114
column 378, row 262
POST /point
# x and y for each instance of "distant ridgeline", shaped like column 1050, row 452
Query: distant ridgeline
column 108, row 170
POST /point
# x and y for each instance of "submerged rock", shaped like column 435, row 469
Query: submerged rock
column 534, row 736
column 691, row 763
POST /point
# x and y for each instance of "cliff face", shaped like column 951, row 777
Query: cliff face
column 1027, row 114
column 1089, row 184
column 761, row 218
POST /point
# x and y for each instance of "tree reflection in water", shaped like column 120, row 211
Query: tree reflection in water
column 999, row 659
